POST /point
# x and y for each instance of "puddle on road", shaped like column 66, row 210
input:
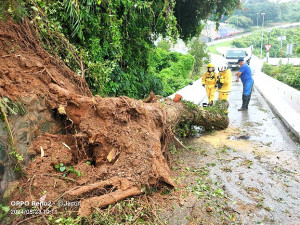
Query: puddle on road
column 260, row 184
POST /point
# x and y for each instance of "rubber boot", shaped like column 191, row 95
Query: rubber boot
column 248, row 97
column 243, row 108
column 247, row 101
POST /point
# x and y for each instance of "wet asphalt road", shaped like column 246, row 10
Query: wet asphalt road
column 254, row 162
column 270, row 129
column 260, row 138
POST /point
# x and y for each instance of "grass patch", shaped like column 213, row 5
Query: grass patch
column 213, row 48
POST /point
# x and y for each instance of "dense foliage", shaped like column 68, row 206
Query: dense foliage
column 172, row 68
column 111, row 43
column 287, row 74
column 292, row 37
column 191, row 13
column 274, row 12
column 16, row 9
column 240, row 21
column 165, row 45
column 115, row 38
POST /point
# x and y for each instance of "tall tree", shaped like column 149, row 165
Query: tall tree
column 190, row 14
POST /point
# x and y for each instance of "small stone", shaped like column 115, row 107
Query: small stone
column 181, row 202
column 208, row 209
column 241, row 177
column 22, row 61
column 39, row 65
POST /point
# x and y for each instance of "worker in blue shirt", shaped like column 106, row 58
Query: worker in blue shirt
column 245, row 74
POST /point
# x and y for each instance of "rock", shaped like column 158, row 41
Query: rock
column 22, row 61
column 241, row 177
column 181, row 202
column 39, row 65
column 208, row 209
column 12, row 186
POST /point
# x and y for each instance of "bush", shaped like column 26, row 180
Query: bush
column 172, row 69
column 165, row 45
column 241, row 21
column 199, row 51
column 292, row 36
column 287, row 74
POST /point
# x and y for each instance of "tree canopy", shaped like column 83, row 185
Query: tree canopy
column 190, row 14
column 274, row 12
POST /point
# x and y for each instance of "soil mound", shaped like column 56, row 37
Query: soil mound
column 110, row 147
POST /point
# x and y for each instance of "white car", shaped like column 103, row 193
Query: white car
column 234, row 54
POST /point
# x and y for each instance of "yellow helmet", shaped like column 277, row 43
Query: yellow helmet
column 211, row 65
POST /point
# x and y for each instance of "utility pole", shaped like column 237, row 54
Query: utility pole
column 268, row 52
column 269, row 35
column 281, row 38
column 262, row 34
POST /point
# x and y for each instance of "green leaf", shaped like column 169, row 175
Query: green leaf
column 34, row 8
column 5, row 208
column 62, row 168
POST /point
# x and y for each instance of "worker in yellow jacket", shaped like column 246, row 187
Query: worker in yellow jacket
column 224, row 82
column 209, row 81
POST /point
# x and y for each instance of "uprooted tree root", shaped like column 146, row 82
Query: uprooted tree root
column 124, row 138
column 109, row 149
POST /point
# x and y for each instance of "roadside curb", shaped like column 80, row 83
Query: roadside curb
column 284, row 111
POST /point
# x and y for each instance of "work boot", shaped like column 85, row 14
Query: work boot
column 211, row 103
column 244, row 106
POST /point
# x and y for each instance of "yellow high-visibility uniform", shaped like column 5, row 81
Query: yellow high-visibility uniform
column 209, row 79
column 226, row 80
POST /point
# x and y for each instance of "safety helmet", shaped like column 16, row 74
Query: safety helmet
column 211, row 65
column 222, row 68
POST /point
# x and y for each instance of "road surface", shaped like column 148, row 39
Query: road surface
column 246, row 174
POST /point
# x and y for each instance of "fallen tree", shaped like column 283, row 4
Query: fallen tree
column 129, row 135
column 102, row 149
